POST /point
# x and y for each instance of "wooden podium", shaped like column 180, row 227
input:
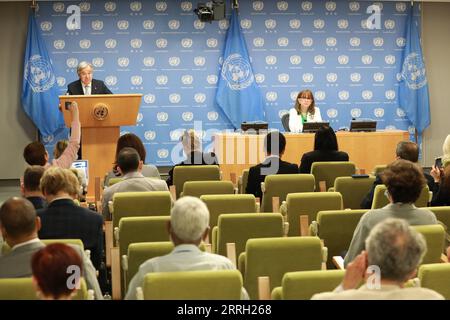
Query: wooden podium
column 101, row 117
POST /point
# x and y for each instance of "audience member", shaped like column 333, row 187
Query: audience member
column 441, row 177
column 404, row 181
column 188, row 226
column 63, row 219
column 35, row 153
column 132, row 141
column 394, row 251
column 54, row 270
column 304, row 110
column 129, row 165
column 19, row 225
column 192, row 148
column 446, row 151
column 405, row 150
column 274, row 146
column 30, row 186
column 325, row 149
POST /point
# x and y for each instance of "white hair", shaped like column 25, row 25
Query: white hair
column 446, row 151
column 189, row 218
column 83, row 65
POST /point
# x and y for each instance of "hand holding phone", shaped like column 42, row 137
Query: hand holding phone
column 438, row 163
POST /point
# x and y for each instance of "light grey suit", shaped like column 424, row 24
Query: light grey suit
column 17, row 264
column 148, row 170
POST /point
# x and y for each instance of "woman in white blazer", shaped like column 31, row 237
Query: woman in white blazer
column 304, row 110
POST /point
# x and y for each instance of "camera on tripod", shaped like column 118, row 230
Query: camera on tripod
column 209, row 14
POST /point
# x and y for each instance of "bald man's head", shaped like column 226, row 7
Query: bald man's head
column 18, row 217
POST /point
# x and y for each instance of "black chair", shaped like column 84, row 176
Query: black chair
column 285, row 122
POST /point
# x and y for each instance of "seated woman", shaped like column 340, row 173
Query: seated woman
column 192, row 148
column 304, row 110
column 132, row 141
column 57, row 270
column 441, row 178
column 325, row 149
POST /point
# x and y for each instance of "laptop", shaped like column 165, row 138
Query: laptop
column 82, row 165
column 312, row 127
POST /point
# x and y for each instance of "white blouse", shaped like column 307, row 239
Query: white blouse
column 295, row 120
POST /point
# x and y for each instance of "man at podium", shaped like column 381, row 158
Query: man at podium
column 86, row 85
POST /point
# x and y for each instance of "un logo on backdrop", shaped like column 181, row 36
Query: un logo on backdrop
column 353, row 6
column 161, row 6
column 378, row 112
column 48, row 139
column 343, row 59
column 378, row 77
column 378, row 42
column 330, row 6
column 307, row 6
column 331, row 41
column 58, row 7
column 270, row 24
column 110, row 43
column 38, row 74
column 258, row 5
column 136, row 43
column 246, row 23
column 111, row 80
column 61, row 81
column 150, row 135
column 283, row 42
column 136, row 6
column 320, row 95
column 136, row 80
column 400, row 7
column 332, row 77
column 319, row 23
column 97, row 25
column 123, row 62
column 332, row 113
column 200, row 97
column 319, row 59
column 223, row 24
column 85, row 44
column 148, row 24
column 174, row 24
column 163, row 153
column 391, row 127
column 72, row 62
column 162, row 80
column 258, row 42
column 389, row 59
column 390, row 94
column 139, row 117
column 307, row 42
column 212, row 79
column 174, row 61
column 282, row 112
column 342, row 23
column 355, row 77
column 161, row 43
column 162, row 116
column 295, row 60
column 260, row 78
column 343, row 95
column 282, row 5
column 366, row 59
column 186, row 43
column 236, row 71
column 59, row 44
column 123, row 24
column 283, row 78
column 186, row 6
column 149, row 98
column 293, row 95
column 187, row 116
column 199, row 61
column 187, row 79
column 271, row 60
column 401, row 42
column 149, row 61
column 46, row 26
column 355, row 41
column 413, row 71
column 110, row 6
column 198, row 25
column 175, row 135
column 98, row 62
column 308, row 77
column 211, row 43
column 295, row 23
column 355, row 112
column 271, row 96
column 389, row 24
column 400, row 113
column 367, row 95
column 174, row 98
column 212, row 116
column 84, row 6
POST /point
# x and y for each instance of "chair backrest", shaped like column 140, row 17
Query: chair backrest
column 279, row 185
column 238, row 228
column 380, row 200
column 274, row 257
column 353, row 190
column 435, row 237
column 309, row 203
column 228, row 203
column 193, row 285
column 329, row 171
column 436, row 277
column 77, row 242
column 379, row 169
column 302, row 285
column 142, row 229
column 285, row 122
column 336, row 228
column 442, row 214
column 199, row 188
column 243, row 184
column 22, row 289
column 113, row 181
column 181, row 174
column 138, row 204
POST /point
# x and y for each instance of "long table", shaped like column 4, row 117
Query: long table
column 237, row 151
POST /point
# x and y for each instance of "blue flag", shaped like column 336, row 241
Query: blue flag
column 413, row 87
column 39, row 87
column 237, row 94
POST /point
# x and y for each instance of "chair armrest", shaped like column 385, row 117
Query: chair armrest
column 285, row 228
column 338, row 261
column 283, row 208
column 263, row 187
column 324, row 257
column 116, row 236
column 115, row 274
column 110, row 207
column 108, row 241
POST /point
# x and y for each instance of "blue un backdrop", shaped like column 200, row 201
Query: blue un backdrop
column 161, row 49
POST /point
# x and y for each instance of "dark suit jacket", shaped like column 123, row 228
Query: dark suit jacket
column 195, row 158
column 63, row 219
column 98, row 87
column 320, row 156
column 38, row 202
column 255, row 176
column 366, row 203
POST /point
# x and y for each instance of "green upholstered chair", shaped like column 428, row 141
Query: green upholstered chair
column 436, row 276
column 242, row 182
column 273, row 257
column 379, row 169
column 181, row 174
column 137, row 204
column 353, row 190
column 238, row 228
column 380, row 199
column 280, row 185
column 113, row 181
column 199, row 188
column 442, row 214
column 22, row 289
column 193, row 285
column 329, row 171
column 435, row 237
column 308, row 203
column 302, row 285
column 227, row 203
column 336, row 228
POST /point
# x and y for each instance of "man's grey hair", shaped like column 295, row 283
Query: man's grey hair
column 83, row 65
column 189, row 218
column 396, row 248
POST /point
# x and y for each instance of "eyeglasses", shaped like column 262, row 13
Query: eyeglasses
column 302, row 98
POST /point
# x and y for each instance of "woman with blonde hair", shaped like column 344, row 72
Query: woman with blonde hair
column 304, row 110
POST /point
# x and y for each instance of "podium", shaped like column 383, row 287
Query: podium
column 101, row 117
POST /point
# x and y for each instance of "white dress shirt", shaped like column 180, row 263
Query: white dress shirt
column 295, row 120
column 87, row 88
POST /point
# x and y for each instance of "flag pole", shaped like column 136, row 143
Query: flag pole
column 33, row 5
column 235, row 4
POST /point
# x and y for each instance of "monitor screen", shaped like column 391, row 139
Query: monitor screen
column 362, row 126
column 312, row 127
column 83, row 166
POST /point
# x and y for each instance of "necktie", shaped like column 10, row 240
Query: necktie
column 87, row 90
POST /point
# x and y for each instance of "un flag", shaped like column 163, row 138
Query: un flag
column 413, row 87
column 39, row 88
column 238, row 95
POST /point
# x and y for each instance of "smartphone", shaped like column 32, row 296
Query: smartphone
column 67, row 105
column 438, row 162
